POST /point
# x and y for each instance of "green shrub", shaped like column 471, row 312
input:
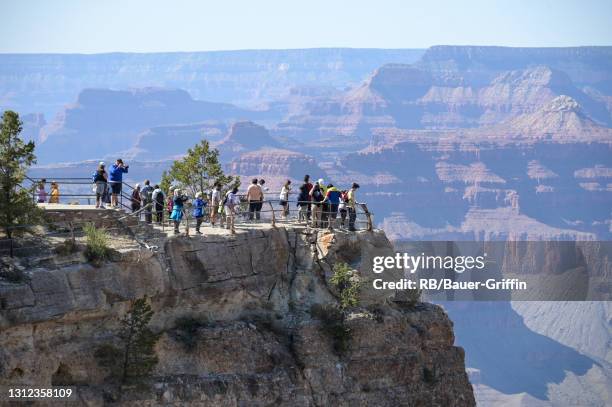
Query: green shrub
column 347, row 283
column 135, row 357
column 97, row 249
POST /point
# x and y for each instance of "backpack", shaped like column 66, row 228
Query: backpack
column 148, row 194
column 160, row 198
column 97, row 176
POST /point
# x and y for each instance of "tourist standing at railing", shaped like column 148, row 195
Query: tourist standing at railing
column 55, row 194
column 262, row 185
column 325, row 205
column 42, row 194
column 231, row 203
column 254, row 197
column 284, row 198
column 309, row 188
column 342, row 207
column 136, row 198
column 332, row 200
column 178, row 202
column 146, row 196
column 100, row 179
column 116, row 180
column 303, row 203
column 215, row 203
column 198, row 211
column 317, row 205
column 352, row 206
column 264, row 189
column 170, row 201
column 158, row 199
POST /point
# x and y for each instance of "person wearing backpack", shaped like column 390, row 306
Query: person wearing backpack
column 317, row 201
column 100, row 180
column 198, row 211
column 231, row 203
column 147, row 200
column 158, row 203
column 332, row 200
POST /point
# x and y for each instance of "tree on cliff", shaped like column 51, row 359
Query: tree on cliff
column 16, row 205
column 135, row 357
column 198, row 171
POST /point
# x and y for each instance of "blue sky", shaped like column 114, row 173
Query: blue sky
column 88, row 26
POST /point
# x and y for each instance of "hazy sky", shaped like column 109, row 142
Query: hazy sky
column 88, row 26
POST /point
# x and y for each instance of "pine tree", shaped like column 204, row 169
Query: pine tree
column 135, row 357
column 16, row 204
column 198, row 171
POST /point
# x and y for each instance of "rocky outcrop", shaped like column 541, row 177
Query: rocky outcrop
column 244, row 136
column 165, row 142
column 262, row 337
column 480, row 64
column 275, row 165
column 35, row 82
column 561, row 119
column 110, row 120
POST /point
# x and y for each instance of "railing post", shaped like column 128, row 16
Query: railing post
column 186, row 222
column 370, row 226
column 273, row 215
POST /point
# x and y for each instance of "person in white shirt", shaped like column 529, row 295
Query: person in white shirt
column 284, row 198
column 231, row 205
column 215, row 201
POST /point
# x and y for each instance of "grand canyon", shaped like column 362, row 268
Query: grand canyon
column 447, row 143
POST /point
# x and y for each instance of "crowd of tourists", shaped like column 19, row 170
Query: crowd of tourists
column 318, row 204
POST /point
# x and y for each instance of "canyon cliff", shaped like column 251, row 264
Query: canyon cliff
column 260, row 300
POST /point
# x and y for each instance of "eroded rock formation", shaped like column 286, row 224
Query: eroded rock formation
column 259, row 340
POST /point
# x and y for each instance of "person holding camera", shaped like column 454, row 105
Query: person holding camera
column 178, row 202
column 116, row 180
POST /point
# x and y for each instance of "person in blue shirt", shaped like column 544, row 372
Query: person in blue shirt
column 332, row 197
column 198, row 211
column 116, row 180
column 178, row 202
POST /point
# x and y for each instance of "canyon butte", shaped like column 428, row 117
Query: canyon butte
column 261, row 328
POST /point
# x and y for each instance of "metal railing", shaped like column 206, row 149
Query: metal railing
column 73, row 190
column 273, row 213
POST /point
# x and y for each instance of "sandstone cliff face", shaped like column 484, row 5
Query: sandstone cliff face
column 244, row 136
column 261, row 343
